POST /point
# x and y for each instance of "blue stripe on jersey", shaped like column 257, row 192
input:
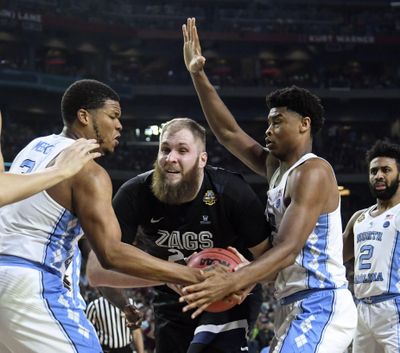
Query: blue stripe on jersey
column 394, row 280
column 11, row 260
column 308, row 327
column 315, row 255
column 61, row 241
column 397, row 303
column 331, row 313
column 75, row 273
column 72, row 321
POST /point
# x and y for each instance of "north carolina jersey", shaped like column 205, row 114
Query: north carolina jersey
column 319, row 265
column 39, row 229
column 73, row 272
column 377, row 245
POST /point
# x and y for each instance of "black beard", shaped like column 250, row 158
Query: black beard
column 386, row 194
column 99, row 138
column 179, row 193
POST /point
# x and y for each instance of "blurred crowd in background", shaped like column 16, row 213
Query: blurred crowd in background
column 344, row 51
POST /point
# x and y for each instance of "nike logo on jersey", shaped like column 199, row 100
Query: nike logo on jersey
column 244, row 349
column 156, row 220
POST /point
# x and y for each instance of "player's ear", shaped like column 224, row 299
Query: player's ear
column 82, row 116
column 203, row 159
column 305, row 124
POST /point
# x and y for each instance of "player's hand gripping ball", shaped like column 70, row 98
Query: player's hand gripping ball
column 211, row 256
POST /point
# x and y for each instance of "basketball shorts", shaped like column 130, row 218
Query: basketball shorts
column 224, row 332
column 320, row 321
column 37, row 315
column 378, row 328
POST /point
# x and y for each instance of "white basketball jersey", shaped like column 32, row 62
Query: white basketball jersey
column 377, row 249
column 38, row 228
column 320, row 263
column 73, row 272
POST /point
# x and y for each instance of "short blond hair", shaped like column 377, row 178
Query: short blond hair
column 177, row 124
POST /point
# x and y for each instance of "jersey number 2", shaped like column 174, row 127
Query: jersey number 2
column 177, row 255
column 366, row 252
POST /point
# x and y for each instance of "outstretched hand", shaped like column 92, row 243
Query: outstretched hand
column 216, row 286
column 74, row 157
column 133, row 316
column 194, row 61
column 178, row 287
column 242, row 294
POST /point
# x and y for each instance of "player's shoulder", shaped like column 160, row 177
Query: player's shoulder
column 138, row 183
column 316, row 162
column 314, row 168
column 360, row 212
column 228, row 184
column 44, row 144
column 47, row 143
column 219, row 174
column 92, row 174
column 358, row 216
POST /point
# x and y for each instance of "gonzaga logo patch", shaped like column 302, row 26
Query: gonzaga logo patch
column 209, row 198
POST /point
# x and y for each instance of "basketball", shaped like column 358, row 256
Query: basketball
column 208, row 257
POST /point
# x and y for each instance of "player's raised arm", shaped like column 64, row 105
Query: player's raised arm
column 220, row 119
column 15, row 187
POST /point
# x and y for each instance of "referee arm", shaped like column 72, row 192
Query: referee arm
column 118, row 298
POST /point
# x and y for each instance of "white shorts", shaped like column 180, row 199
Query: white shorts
column 322, row 322
column 37, row 317
column 378, row 328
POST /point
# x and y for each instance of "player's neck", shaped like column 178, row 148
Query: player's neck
column 294, row 158
column 294, row 155
column 71, row 133
column 384, row 205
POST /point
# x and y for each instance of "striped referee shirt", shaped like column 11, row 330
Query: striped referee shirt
column 109, row 322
